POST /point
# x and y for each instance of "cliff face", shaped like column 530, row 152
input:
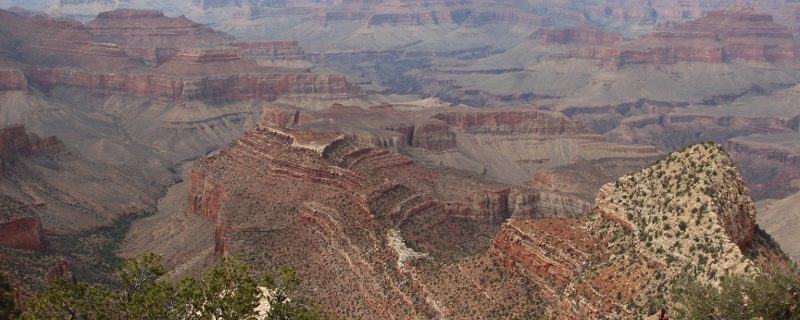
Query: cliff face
column 23, row 233
column 15, row 142
column 102, row 57
column 19, row 226
column 152, row 29
column 586, row 35
column 513, row 122
column 717, row 37
column 687, row 214
column 294, row 188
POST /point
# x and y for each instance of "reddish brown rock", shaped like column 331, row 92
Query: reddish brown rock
column 23, row 233
column 512, row 121
column 16, row 142
column 295, row 188
column 205, row 197
column 585, row 35
column 20, row 227
column 717, row 37
column 270, row 50
column 152, row 29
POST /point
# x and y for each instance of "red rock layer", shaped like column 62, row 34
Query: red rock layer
column 151, row 29
column 23, row 233
column 62, row 53
column 511, row 122
column 272, row 50
column 15, row 142
column 588, row 35
column 718, row 37
column 267, row 86
column 321, row 197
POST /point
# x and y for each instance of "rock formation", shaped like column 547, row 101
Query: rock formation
column 15, row 142
column 717, row 37
column 687, row 214
column 585, row 35
column 19, row 226
column 130, row 28
column 325, row 186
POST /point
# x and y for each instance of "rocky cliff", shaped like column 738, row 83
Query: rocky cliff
column 585, row 35
column 19, row 226
column 687, row 214
column 15, row 142
column 63, row 53
column 719, row 36
column 130, row 28
column 291, row 189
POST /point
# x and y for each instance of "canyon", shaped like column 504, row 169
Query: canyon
column 424, row 159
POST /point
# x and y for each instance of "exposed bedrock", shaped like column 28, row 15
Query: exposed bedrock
column 23, row 233
column 585, row 35
column 614, row 258
column 268, row 86
column 673, row 131
column 717, row 37
column 20, row 227
column 512, row 122
column 770, row 169
column 131, row 28
column 15, row 142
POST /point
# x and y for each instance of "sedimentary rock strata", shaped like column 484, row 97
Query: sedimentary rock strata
column 647, row 228
column 325, row 186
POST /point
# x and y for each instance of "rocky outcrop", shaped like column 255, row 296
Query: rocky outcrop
column 433, row 136
column 20, row 227
column 585, row 35
column 23, row 233
column 295, row 187
column 131, row 28
column 512, row 122
column 62, row 53
column 267, row 86
column 718, row 37
column 205, row 197
column 16, row 142
column 270, row 50
column 689, row 213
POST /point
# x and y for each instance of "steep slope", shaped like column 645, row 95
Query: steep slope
column 509, row 145
column 72, row 193
column 369, row 230
column 687, row 215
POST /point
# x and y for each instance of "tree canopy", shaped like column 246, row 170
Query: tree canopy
column 773, row 294
column 227, row 292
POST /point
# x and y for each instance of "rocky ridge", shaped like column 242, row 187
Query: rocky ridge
column 326, row 186
column 689, row 214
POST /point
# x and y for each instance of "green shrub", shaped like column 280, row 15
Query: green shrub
column 774, row 294
column 227, row 292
